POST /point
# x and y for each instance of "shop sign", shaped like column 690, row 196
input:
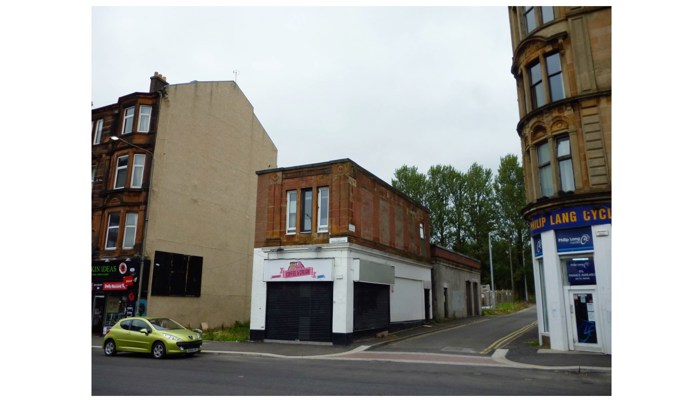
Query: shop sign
column 538, row 245
column 298, row 270
column 113, row 286
column 581, row 271
column 574, row 240
column 571, row 217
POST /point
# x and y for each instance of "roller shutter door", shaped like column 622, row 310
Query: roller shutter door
column 299, row 311
column 371, row 307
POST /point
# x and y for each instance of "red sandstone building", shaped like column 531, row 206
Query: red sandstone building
column 339, row 253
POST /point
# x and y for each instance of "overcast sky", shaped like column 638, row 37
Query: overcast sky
column 383, row 86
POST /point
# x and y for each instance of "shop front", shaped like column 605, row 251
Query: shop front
column 572, row 264
column 115, row 286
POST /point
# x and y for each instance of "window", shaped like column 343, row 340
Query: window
column 98, row 132
column 322, row 209
column 555, row 77
column 421, row 230
column 144, row 118
column 545, row 170
column 94, row 171
column 307, row 209
column 112, row 232
column 130, row 230
column 554, row 81
column 137, row 325
column 291, row 212
column 547, row 14
column 128, row 120
column 536, row 86
column 120, row 176
column 177, row 275
column 536, row 16
column 566, row 170
column 530, row 22
column 137, row 170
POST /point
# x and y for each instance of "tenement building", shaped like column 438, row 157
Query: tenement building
column 562, row 66
column 173, row 195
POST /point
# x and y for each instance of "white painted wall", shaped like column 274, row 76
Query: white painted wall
column 406, row 296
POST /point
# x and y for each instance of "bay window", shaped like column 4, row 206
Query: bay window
column 536, row 16
column 128, row 120
column 112, row 231
column 546, row 75
column 121, row 172
column 555, row 77
column 130, row 230
column 98, row 132
column 144, row 118
column 545, row 170
column 137, row 171
column 566, row 169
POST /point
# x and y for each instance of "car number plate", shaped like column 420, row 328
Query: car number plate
column 192, row 350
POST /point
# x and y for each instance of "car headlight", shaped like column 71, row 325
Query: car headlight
column 171, row 337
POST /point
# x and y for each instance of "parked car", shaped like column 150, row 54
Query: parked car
column 158, row 336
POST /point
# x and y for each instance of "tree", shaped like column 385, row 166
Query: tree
column 442, row 183
column 479, row 212
column 411, row 183
column 509, row 190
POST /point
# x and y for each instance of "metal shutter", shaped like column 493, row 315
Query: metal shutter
column 371, row 304
column 299, row 311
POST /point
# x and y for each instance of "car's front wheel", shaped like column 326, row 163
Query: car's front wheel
column 110, row 348
column 158, row 350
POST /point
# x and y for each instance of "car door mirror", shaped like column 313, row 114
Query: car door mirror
column 197, row 331
column 144, row 331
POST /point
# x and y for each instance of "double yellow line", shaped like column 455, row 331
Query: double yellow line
column 508, row 338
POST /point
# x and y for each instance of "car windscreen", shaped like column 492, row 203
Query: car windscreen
column 165, row 324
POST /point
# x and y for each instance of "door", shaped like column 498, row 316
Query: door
column 583, row 316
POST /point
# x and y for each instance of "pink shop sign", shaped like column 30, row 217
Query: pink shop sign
column 303, row 270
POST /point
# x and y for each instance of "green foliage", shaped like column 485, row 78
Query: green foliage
column 466, row 206
column 239, row 332
column 505, row 308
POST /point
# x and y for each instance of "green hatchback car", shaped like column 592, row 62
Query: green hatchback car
column 158, row 336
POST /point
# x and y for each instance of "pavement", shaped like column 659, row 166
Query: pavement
column 521, row 351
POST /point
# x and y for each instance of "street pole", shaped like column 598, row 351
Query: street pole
column 527, row 297
column 512, row 282
column 493, row 284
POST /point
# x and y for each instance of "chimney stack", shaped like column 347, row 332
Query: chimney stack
column 158, row 82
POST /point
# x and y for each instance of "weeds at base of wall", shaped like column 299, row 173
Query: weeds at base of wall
column 239, row 332
column 505, row 308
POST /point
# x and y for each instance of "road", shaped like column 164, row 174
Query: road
column 460, row 365
column 478, row 336
column 214, row 374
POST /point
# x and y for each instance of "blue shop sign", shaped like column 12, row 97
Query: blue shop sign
column 538, row 245
column 571, row 217
column 581, row 271
column 579, row 239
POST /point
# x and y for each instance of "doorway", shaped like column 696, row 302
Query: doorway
column 583, row 316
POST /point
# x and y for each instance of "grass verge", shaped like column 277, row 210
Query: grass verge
column 239, row 332
column 506, row 308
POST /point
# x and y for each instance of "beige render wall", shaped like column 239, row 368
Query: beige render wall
column 203, row 197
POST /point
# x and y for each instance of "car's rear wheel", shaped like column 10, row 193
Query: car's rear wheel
column 158, row 350
column 110, row 348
